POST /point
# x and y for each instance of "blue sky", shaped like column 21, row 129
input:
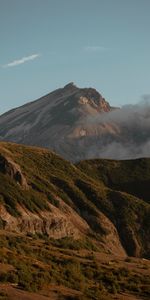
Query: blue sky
column 44, row 44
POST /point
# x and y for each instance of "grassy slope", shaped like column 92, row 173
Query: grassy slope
column 126, row 180
column 131, row 176
column 41, row 266
column 49, row 176
column 86, row 186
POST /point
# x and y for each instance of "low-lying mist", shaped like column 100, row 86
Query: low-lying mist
column 131, row 137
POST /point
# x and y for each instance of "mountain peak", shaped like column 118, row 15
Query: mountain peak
column 70, row 86
column 88, row 96
column 57, row 120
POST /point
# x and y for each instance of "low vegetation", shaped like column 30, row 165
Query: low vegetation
column 36, row 263
column 118, row 191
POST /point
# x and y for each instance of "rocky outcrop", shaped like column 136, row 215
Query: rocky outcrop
column 54, row 223
column 57, row 224
column 13, row 170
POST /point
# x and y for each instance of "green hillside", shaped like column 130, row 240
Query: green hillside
column 131, row 176
column 77, row 214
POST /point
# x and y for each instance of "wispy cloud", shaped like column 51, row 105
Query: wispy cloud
column 94, row 48
column 21, row 60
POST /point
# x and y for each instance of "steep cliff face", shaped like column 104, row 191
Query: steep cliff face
column 55, row 224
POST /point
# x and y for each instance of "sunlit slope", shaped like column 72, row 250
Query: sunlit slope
column 41, row 193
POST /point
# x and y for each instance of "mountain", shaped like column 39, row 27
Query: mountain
column 78, row 123
column 73, row 231
column 59, row 121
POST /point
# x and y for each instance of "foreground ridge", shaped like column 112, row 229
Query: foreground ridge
column 77, row 231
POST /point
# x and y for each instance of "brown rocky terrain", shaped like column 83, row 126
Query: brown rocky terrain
column 41, row 193
column 72, row 231
column 59, row 220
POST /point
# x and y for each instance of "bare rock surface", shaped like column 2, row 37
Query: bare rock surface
column 13, row 170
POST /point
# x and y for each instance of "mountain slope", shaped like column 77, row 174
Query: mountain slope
column 78, row 123
column 42, row 193
column 51, row 203
column 58, row 121
column 66, row 230
column 131, row 176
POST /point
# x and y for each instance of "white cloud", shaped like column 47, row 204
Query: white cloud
column 21, row 60
column 94, row 48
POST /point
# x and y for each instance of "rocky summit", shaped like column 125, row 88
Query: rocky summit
column 58, row 121
column 78, row 123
